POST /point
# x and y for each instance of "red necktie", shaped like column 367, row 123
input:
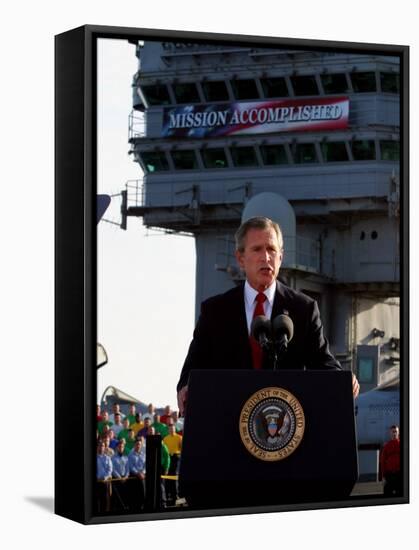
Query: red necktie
column 257, row 352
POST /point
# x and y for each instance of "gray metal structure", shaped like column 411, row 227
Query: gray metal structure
column 336, row 193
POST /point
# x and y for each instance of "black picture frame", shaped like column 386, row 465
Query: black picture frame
column 76, row 269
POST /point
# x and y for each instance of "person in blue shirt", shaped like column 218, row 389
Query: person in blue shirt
column 103, row 463
column 136, row 460
column 120, row 471
column 103, row 476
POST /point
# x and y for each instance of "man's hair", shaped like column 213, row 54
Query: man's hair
column 258, row 222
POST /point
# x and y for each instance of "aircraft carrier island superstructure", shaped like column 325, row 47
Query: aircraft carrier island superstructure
column 308, row 138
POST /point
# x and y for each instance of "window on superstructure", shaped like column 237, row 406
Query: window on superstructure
column 184, row 160
column 334, row 151
column 304, row 85
column 274, row 87
column 154, row 161
column 363, row 150
column 304, row 153
column 215, row 90
column 214, row 158
column 245, row 89
column 365, row 370
column 390, row 83
column 334, row 83
column 157, row 94
column 273, row 154
column 186, row 92
column 244, row 156
column 390, row 150
column 364, row 82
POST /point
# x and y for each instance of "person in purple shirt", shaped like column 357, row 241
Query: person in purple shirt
column 144, row 431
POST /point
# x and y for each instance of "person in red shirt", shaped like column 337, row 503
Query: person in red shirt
column 390, row 464
column 167, row 414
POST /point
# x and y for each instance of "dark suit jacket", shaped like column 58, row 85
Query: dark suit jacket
column 221, row 339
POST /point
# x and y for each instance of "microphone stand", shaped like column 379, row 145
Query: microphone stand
column 279, row 350
column 271, row 355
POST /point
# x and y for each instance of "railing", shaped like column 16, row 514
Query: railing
column 135, row 193
column 136, row 125
column 172, row 195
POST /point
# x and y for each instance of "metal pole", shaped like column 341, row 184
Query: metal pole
column 153, row 469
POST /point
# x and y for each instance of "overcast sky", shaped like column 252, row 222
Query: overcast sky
column 146, row 284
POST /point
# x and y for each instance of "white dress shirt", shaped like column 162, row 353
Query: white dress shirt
column 250, row 301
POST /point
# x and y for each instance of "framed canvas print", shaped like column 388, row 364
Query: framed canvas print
column 231, row 274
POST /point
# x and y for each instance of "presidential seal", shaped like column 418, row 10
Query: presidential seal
column 272, row 424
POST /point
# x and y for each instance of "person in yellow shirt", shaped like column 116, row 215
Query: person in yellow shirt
column 138, row 424
column 173, row 442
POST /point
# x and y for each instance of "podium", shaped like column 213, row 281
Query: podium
column 268, row 437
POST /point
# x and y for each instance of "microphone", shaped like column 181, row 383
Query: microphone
column 261, row 331
column 283, row 331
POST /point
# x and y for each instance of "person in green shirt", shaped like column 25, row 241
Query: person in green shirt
column 130, row 441
column 131, row 414
column 159, row 427
column 124, row 433
column 104, row 422
column 165, row 459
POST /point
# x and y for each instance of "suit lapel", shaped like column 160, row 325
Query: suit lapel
column 279, row 306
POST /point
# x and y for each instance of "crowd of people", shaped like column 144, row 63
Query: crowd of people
column 121, row 456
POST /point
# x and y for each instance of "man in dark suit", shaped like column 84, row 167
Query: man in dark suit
column 221, row 338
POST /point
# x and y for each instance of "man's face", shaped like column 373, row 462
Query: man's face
column 394, row 433
column 261, row 258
